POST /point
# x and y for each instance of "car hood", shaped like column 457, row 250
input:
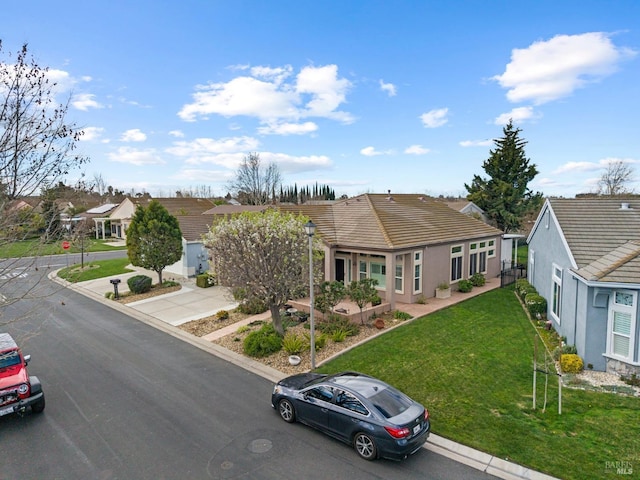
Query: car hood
column 300, row 380
column 12, row 375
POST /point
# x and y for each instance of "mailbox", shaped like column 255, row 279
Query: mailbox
column 115, row 282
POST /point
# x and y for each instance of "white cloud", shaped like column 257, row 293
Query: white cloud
column 201, row 150
column 552, row 69
column 85, row 101
column 91, row 133
column 578, row 167
column 416, row 150
column 288, row 128
column 476, row 143
column 273, row 96
column 292, row 164
column 435, row 118
column 133, row 135
column 390, row 88
column 518, row 115
column 177, row 133
column 136, row 157
column 370, row 152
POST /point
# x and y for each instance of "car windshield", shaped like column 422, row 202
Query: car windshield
column 390, row 402
column 9, row 359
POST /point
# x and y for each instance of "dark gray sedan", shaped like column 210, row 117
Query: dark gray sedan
column 374, row 417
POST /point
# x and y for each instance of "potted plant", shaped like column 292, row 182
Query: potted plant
column 443, row 290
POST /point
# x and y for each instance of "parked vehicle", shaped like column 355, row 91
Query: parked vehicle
column 377, row 419
column 18, row 390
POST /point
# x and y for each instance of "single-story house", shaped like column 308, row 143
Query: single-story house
column 584, row 258
column 410, row 243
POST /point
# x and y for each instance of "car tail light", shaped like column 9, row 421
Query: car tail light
column 398, row 432
column 426, row 414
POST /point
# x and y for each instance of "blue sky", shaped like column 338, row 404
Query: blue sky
column 365, row 96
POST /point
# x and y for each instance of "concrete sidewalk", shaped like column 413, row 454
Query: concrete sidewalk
column 166, row 312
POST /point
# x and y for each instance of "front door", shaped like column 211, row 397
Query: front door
column 340, row 270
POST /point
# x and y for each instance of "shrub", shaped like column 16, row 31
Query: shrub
column 465, row 286
column 170, row 283
column 376, row 300
column 421, row 299
column 571, row 363
column 205, row 280
column 293, row 343
column 252, row 306
column 523, row 287
column 398, row 315
column 222, row 315
column 320, row 339
column 109, row 295
column 243, row 328
column 564, row 350
column 535, row 304
column 478, row 280
column 263, row 342
column 337, row 322
column 443, row 286
column 339, row 336
column 139, row 284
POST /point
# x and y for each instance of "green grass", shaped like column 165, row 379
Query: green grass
column 35, row 247
column 471, row 365
column 95, row 269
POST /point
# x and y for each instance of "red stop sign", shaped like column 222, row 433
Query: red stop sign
column 66, row 245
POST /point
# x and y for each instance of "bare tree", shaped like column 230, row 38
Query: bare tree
column 99, row 184
column 36, row 150
column 255, row 184
column 615, row 179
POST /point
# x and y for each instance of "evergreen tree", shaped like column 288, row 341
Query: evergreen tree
column 154, row 239
column 504, row 196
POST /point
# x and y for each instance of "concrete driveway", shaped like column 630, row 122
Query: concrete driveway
column 189, row 303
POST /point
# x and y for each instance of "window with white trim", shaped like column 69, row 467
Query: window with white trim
column 378, row 270
column 556, row 292
column 622, row 324
column 399, row 277
column 362, row 269
column 478, row 254
column 417, row 272
column 457, row 253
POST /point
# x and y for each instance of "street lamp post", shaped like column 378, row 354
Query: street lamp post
column 310, row 228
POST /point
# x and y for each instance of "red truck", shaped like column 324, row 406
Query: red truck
column 18, row 390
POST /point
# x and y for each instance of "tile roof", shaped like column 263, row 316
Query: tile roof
column 179, row 205
column 194, row 226
column 383, row 221
column 603, row 237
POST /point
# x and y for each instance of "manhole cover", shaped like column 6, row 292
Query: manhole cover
column 261, row 445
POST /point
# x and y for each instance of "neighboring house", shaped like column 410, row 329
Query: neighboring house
column 189, row 212
column 584, row 258
column 121, row 216
column 468, row 208
column 410, row 243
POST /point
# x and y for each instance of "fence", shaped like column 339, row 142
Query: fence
column 511, row 272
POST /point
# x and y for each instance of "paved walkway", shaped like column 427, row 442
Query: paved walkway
column 165, row 312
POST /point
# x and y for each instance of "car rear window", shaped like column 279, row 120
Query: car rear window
column 390, row 402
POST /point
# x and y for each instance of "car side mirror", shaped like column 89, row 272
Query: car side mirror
column 27, row 359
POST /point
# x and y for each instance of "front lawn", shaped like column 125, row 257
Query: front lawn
column 36, row 248
column 471, row 365
column 95, row 269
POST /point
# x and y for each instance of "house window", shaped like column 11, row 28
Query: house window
column 399, row 274
column 417, row 272
column 478, row 254
column 379, row 273
column 456, row 262
column 363, row 270
column 556, row 294
column 622, row 324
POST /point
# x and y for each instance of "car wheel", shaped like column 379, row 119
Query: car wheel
column 365, row 446
column 38, row 407
column 285, row 408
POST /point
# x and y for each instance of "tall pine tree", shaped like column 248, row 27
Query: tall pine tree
column 505, row 196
